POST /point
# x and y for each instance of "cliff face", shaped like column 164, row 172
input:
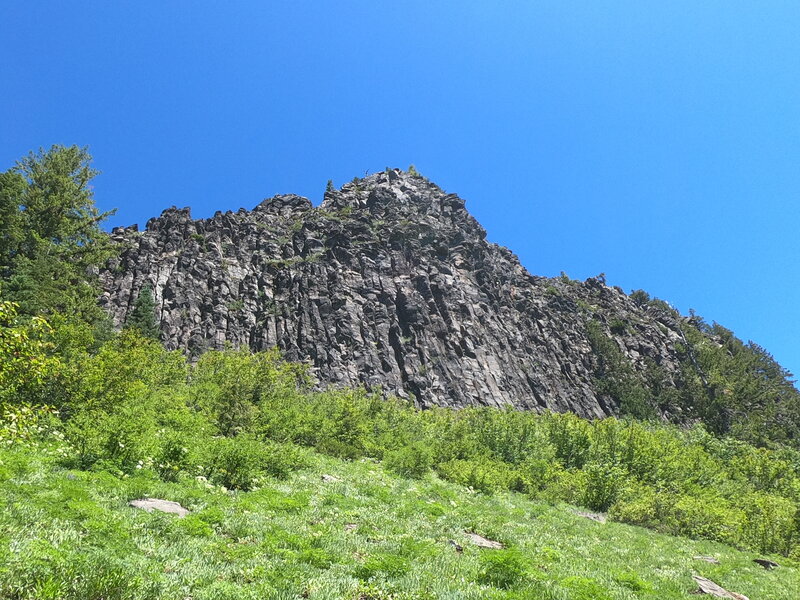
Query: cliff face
column 390, row 282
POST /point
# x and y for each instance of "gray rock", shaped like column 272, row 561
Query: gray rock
column 592, row 516
column 482, row 542
column 456, row 546
column 706, row 586
column 390, row 283
column 167, row 506
column 766, row 563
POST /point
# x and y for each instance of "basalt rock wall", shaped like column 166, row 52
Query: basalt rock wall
column 390, row 282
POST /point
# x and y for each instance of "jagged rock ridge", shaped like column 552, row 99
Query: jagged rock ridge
column 391, row 283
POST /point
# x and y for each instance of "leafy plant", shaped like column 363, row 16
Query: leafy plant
column 503, row 568
column 26, row 359
column 413, row 460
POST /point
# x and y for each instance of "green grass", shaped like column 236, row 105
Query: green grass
column 70, row 534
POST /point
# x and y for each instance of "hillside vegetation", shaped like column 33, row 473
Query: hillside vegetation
column 132, row 406
column 90, row 419
column 363, row 533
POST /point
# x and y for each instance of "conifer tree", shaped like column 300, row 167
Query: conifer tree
column 51, row 242
column 143, row 316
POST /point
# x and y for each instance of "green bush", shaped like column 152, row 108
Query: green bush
column 174, row 456
column 344, row 429
column 24, row 424
column 120, row 440
column 770, row 523
column 618, row 326
column 243, row 463
column 640, row 297
column 231, row 386
column 639, row 504
column 413, row 460
column 584, row 588
column 570, row 437
column 236, row 463
column 26, row 360
column 387, row 565
column 503, row 568
column 534, row 475
column 706, row 516
column 482, row 474
column 568, row 485
column 603, row 483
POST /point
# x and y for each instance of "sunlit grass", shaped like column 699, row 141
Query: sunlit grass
column 371, row 534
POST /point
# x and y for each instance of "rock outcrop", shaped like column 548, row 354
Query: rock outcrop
column 390, row 283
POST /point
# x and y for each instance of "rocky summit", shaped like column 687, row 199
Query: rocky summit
column 389, row 283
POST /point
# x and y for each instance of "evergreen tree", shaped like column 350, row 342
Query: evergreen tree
column 50, row 236
column 143, row 316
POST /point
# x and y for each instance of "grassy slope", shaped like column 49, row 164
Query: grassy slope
column 70, row 534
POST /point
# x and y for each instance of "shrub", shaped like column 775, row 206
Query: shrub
column 25, row 356
column 482, row 474
column 603, row 483
column 640, row 298
column 118, row 441
column 413, row 460
column 389, row 565
column 535, row 474
column 182, row 438
column 706, row 516
column 236, row 463
column 127, row 368
column 230, row 386
column 508, row 434
column 569, row 436
column 25, row 424
column 794, row 553
column 632, row 581
column 503, row 568
column 174, row 457
column 584, row 588
column 638, row 504
column 242, row 463
column 763, row 469
column 566, row 485
column 344, row 429
column 770, row 522
column 129, row 405
column 618, row 326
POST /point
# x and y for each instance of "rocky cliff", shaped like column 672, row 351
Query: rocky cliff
column 391, row 283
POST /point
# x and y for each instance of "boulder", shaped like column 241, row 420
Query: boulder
column 166, row 506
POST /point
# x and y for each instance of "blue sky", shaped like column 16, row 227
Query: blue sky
column 657, row 142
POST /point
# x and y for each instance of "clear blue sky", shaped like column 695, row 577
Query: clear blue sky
column 658, row 142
